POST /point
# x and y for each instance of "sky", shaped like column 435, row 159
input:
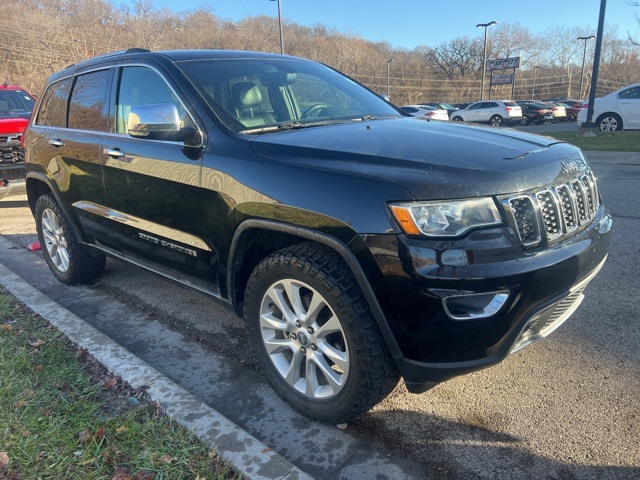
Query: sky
column 410, row 23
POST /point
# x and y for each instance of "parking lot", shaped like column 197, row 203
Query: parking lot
column 567, row 407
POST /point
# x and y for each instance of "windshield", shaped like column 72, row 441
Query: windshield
column 15, row 103
column 256, row 95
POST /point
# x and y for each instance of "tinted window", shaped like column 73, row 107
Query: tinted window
column 409, row 109
column 632, row 93
column 86, row 108
column 491, row 105
column 143, row 86
column 475, row 106
column 53, row 111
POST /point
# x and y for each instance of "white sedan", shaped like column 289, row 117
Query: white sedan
column 617, row 111
column 424, row 111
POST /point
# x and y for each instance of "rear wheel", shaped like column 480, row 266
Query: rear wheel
column 314, row 335
column 524, row 121
column 68, row 260
column 457, row 119
column 496, row 121
column 609, row 122
column 571, row 117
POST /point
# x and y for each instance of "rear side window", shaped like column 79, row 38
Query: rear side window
column 87, row 105
column 53, row 110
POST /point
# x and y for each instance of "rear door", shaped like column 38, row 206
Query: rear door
column 69, row 127
column 153, row 186
column 629, row 106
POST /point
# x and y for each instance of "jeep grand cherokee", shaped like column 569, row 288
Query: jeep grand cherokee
column 359, row 245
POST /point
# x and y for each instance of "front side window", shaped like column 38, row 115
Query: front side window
column 144, row 86
column 53, row 109
column 262, row 95
column 86, row 107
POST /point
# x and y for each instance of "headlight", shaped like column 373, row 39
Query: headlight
column 446, row 218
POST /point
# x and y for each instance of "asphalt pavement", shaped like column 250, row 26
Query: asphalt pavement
column 206, row 379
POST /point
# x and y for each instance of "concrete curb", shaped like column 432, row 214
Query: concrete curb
column 242, row 451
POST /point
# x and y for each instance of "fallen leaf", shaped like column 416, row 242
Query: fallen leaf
column 110, row 382
column 168, row 459
column 37, row 343
column 122, row 473
column 84, row 436
column 268, row 449
column 145, row 475
column 19, row 404
column 342, row 426
column 88, row 462
column 38, row 368
column 121, row 429
column 4, row 459
column 6, row 326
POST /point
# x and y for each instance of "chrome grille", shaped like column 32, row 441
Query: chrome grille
column 553, row 212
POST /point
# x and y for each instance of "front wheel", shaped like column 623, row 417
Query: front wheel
column 496, row 121
column 524, row 121
column 314, row 335
column 67, row 258
column 457, row 119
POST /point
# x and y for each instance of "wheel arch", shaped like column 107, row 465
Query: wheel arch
column 38, row 185
column 248, row 249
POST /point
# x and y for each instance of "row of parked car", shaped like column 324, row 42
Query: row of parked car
column 500, row 112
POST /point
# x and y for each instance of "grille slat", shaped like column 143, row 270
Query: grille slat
column 552, row 213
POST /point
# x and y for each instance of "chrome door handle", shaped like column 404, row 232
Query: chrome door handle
column 113, row 152
column 56, row 143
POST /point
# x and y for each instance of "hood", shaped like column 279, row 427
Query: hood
column 430, row 160
column 13, row 124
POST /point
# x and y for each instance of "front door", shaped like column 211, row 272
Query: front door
column 152, row 186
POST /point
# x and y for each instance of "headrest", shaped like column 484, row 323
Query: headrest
column 246, row 94
column 278, row 78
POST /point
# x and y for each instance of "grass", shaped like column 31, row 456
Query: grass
column 603, row 142
column 63, row 416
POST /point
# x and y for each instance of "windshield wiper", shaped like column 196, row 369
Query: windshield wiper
column 292, row 125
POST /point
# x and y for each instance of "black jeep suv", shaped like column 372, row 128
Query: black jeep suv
column 358, row 244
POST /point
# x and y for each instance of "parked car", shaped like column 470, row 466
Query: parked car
column 425, row 111
column 533, row 112
column 16, row 105
column 358, row 244
column 441, row 106
column 617, row 111
column 494, row 112
column 559, row 111
column 573, row 108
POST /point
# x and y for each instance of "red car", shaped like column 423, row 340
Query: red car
column 16, row 105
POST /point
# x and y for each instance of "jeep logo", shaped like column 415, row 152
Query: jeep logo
column 569, row 167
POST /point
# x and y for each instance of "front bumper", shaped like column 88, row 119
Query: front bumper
column 543, row 285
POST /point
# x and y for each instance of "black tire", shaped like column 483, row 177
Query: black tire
column 609, row 122
column 571, row 117
column 68, row 260
column 457, row 119
column 524, row 121
column 496, row 121
column 332, row 364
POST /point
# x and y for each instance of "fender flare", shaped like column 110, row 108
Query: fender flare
column 332, row 242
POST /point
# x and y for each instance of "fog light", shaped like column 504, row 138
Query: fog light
column 475, row 305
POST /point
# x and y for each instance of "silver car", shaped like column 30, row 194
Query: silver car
column 494, row 112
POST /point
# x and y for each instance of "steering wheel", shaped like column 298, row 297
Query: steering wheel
column 313, row 110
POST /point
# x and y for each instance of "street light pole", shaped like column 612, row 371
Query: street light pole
column 584, row 56
column 484, row 58
column 388, row 62
column 280, row 25
column 534, row 81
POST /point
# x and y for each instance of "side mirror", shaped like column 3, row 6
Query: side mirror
column 157, row 121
